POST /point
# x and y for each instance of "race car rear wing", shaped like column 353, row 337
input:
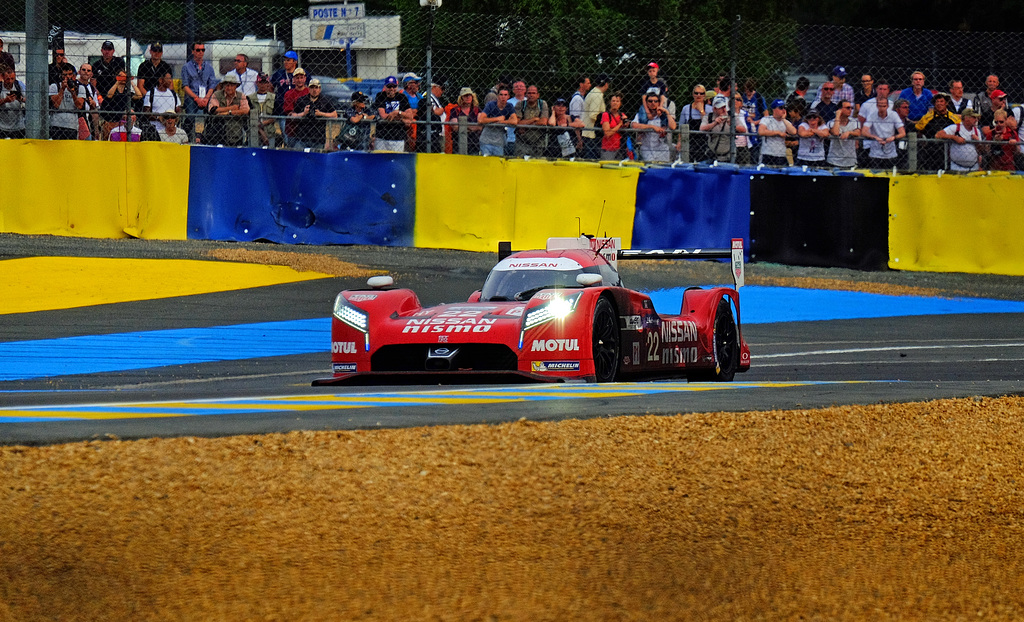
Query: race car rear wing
column 735, row 254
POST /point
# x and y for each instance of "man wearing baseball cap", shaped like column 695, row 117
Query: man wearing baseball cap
column 149, row 73
column 281, row 80
column 843, row 91
column 773, row 131
column 717, row 122
column 106, row 69
column 391, row 107
column 312, row 111
column 292, row 95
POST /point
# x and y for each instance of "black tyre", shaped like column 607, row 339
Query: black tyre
column 727, row 342
column 605, row 337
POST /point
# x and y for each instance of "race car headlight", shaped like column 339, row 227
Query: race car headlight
column 356, row 318
column 556, row 309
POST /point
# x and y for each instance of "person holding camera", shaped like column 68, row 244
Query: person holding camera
column 117, row 102
column 717, row 122
column 656, row 141
column 12, row 104
column 64, row 106
column 613, row 122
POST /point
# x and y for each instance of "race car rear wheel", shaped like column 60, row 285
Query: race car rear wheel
column 605, row 341
column 727, row 342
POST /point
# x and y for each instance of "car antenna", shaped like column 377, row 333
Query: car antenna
column 579, row 226
column 598, row 227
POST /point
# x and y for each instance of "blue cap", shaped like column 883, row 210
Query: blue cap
column 777, row 103
column 391, row 81
column 291, row 54
column 839, row 71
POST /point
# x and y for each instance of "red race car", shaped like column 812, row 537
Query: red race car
column 544, row 315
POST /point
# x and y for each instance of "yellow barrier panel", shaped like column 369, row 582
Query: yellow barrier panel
column 94, row 189
column 471, row 203
column 953, row 223
column 565, row 199
column 462, row 202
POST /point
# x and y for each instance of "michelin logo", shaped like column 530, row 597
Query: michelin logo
column 341, row 368
column 541, row 366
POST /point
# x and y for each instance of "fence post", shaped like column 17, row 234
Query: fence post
column 254, row 125
column 463, row 135
column 912, row 151
column 684, row 143
column 733, row 90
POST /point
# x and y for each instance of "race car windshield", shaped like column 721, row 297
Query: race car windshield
column 522, row 284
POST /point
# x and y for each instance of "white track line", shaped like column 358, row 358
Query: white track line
column 885, row 349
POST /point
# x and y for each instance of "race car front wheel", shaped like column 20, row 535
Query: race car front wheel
column 605, row 341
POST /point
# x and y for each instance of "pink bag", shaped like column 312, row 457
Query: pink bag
column 83, row 129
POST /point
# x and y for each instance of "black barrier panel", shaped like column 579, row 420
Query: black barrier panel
column 824, row 221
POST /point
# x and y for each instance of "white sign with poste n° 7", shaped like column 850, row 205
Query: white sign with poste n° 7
column 332, row 12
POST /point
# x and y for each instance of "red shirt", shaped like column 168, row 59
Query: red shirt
column 612, row 142
column 290, row 97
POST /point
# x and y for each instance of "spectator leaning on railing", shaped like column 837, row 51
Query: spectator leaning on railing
column 930, row 155
column 494, row 138
column 533, row 114
column 773, row 131
column 964, row 156
column 564, row 143
column 467, row 107
column 813, row 135
column 655, row 129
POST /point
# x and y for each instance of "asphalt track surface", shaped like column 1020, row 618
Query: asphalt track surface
column 100, row 370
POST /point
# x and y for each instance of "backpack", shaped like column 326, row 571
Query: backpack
column 150, row 96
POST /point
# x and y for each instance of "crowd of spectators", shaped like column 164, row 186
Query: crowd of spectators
column 834, row 124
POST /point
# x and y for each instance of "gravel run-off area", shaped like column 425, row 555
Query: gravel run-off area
column 861, row 513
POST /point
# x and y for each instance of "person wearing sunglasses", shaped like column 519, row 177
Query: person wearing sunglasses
column 199, row 82
column 657, row 127
column 1002, row 155
column 826, row 106
column 691, row 116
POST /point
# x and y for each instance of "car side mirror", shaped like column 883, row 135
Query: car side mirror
column 380, row 282
column 587, row 279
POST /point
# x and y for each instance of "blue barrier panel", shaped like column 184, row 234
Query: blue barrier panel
column 678, row 208
column 302, row 198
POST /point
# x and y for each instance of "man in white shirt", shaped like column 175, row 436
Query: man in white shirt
column 870, row 106
column 963, row 156
column 161, row 99
column 880, row 132
column 246, row 77
column 576, row 108
column 90, row 102
column 773, row 131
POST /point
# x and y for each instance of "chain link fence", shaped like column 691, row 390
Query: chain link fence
column 351, row 53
